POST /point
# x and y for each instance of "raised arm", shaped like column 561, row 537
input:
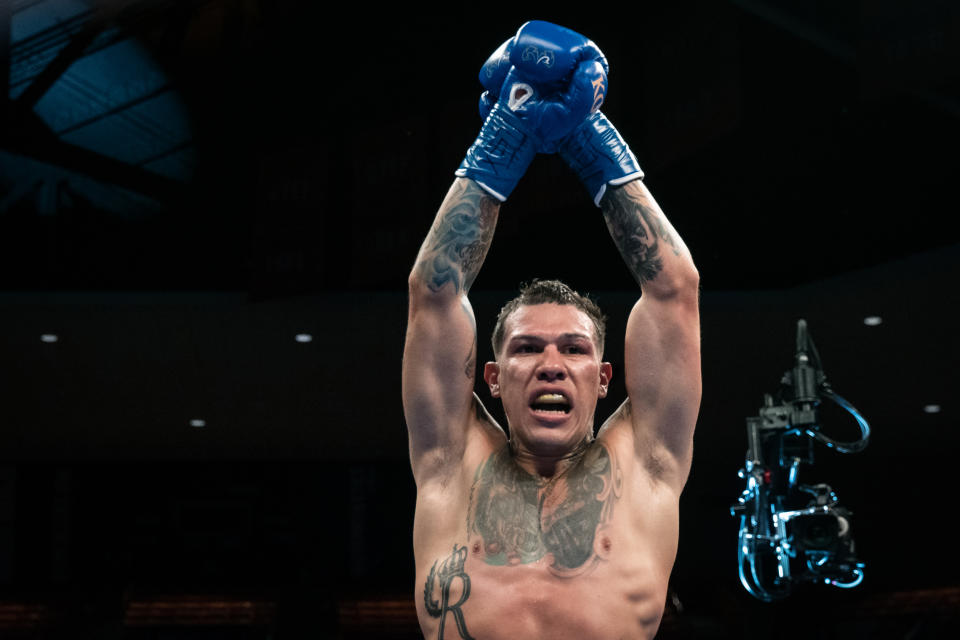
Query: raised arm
column 519, row 118
column 439, row 358
column 662, row 348
column 662, row 344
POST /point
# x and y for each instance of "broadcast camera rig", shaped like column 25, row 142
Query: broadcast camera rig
column 789, row 531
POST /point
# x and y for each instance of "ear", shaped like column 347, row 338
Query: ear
column 491, row 374
column 606, row 372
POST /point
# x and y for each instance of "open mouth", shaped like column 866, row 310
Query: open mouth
column 552, row 403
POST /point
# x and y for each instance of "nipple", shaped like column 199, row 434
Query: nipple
column 603, row 545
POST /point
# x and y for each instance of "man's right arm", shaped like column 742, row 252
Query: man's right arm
column 439, row 358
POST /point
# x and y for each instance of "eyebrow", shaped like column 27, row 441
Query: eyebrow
column 563, row 336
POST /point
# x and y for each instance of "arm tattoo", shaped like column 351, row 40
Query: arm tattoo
column 637, row 228
column 521, row 519
column 459, row 238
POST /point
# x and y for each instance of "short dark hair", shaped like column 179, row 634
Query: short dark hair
column 547, row 292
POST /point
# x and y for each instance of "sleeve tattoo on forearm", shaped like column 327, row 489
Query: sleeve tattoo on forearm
column 459, row 239
column 637, row 230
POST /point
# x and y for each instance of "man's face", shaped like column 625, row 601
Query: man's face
column 549, row 376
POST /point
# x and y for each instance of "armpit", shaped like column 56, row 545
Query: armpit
column 654, row 464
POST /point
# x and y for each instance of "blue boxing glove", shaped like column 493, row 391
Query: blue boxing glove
column 492, row 75
column 546, row 55
column 505, row 147
column 547, row 79
column 599, row 155
column 594, row 150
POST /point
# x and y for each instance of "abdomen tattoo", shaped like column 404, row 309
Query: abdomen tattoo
column 436, row 591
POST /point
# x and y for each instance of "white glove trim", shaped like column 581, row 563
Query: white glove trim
column 616, row 182
column 627, row 178
column 599, row 196
column 462, row 173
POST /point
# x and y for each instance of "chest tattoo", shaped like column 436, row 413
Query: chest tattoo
column 521, row 518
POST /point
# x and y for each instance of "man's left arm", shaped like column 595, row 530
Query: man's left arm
column 662, row 350
column 662, row 346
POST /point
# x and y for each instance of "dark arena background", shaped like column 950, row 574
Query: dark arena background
column 208, row 212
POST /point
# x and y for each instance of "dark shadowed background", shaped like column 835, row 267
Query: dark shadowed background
column 208, row 210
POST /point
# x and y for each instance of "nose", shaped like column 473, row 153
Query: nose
column 550, row 367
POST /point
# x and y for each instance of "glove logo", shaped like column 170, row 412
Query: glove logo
column 538, row 56
column 490, row 69
column 598, row 91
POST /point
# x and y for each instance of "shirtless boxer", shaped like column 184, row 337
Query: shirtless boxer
column 553, row 533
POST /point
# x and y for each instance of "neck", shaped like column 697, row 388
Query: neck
column 547, row 465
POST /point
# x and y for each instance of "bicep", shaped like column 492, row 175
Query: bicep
column 662, row 370
column 439, row 365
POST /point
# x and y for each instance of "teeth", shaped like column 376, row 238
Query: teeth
column 551, row 398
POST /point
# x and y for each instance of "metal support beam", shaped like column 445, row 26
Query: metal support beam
column 66, row 57
column 30, row 137
column 23, row 132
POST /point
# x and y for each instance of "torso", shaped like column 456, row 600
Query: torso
column 586, row 554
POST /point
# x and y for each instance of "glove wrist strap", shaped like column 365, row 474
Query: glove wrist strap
column 500, row 155
column 599, row 156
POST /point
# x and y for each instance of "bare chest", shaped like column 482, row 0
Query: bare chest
column 543, row 559
column 562, row 523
